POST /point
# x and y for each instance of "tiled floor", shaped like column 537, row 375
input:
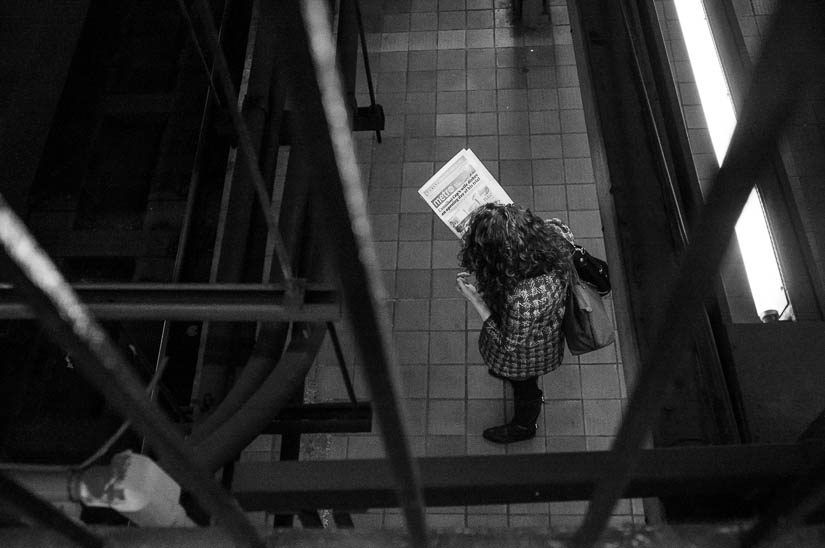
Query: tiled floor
column 453, row 74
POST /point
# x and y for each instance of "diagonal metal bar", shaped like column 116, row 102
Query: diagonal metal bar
column 43, row 513
column 790, row 64
column 69, row 323
column 186, row 301
column 249, row 154
column 345, row 206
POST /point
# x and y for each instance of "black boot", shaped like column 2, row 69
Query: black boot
column 522, row 427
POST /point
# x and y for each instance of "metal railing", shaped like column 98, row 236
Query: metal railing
column 325, row 141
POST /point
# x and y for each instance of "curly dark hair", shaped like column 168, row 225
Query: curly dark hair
column 506, row 244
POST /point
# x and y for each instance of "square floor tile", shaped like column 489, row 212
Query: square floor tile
column 423, row 40
column 392, row 82
column 476, row 445
column 452, row 20
column 545, row 121
column 486, row 521
column 451, row 102
column 412, row 284
column 415, row 174
column 510, row 78
column 423, row 5
column 587, row 223
column 384, row 200
column 481, row 58
column 513, row 123
column 452, row 39
column 450, row 59
column 602, row 417
column 446, row 417
column 412, row 315
column 481, row 78
column 451, row 80
column 385, row 175
column 392, row 61
column 482, row 385
column 549, row 197
column 514, row 147
column 384, row 227
column 483, row 414
column 415, row 255
column 482, row 123
column 420, row 125
column 423, row 60
column 523, row 195
column 447, row 347
column 566, row 444
column 542, row 99
column 411, row 345
column 415, row 412
column 419, row 103
column 445, row 254
column 563, row 418
column 480, row 19
column 451, row 5
column 447, row 147
column 545, row 146
column 391, row 150
column 486, row 147
column 419, row 149
column 582, row 197
column 480, row 38
column 395, row 41
column 541, row 77
column 570, row 98
column 578, row 170
column 422, row 80
column 414, row 381
column 411, row 202
column 365, row 447
column 599, row 443
column 424, row 21
column 447, row 381
column 573, row 121
column 515, row 173
column 575, row 145
column 512, row 99
column 447, row 314
column 451, row 125
column 387, row 254
column 443, row 283
column 563, row 384
column 415, row 226
column 481, row 101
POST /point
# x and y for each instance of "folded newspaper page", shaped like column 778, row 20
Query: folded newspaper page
column 458, row 188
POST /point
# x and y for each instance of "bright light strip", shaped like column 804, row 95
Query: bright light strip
column 751, row 228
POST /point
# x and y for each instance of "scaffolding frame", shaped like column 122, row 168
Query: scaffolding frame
column 779, row 82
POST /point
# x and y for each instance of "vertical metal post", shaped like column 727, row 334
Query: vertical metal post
column 244, row 138
column 790, row 64
column 344, row 202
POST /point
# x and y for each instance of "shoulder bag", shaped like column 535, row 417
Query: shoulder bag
column 586, row 324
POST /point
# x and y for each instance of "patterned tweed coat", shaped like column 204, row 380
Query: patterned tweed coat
column 526, row 341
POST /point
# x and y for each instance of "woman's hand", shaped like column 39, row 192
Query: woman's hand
column 469, row 291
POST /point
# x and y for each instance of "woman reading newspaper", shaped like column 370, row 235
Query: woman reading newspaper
column 521, row 264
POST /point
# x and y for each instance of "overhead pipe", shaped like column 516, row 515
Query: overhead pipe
column 228, row 440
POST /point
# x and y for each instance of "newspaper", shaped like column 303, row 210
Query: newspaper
column 458, row 188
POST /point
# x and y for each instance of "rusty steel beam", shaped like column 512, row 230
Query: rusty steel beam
column 791, row 63
column 219, row 302
column 723, row 535
column 749, row 471
column 69, row 323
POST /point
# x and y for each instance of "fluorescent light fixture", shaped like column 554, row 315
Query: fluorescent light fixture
column 755, row 242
